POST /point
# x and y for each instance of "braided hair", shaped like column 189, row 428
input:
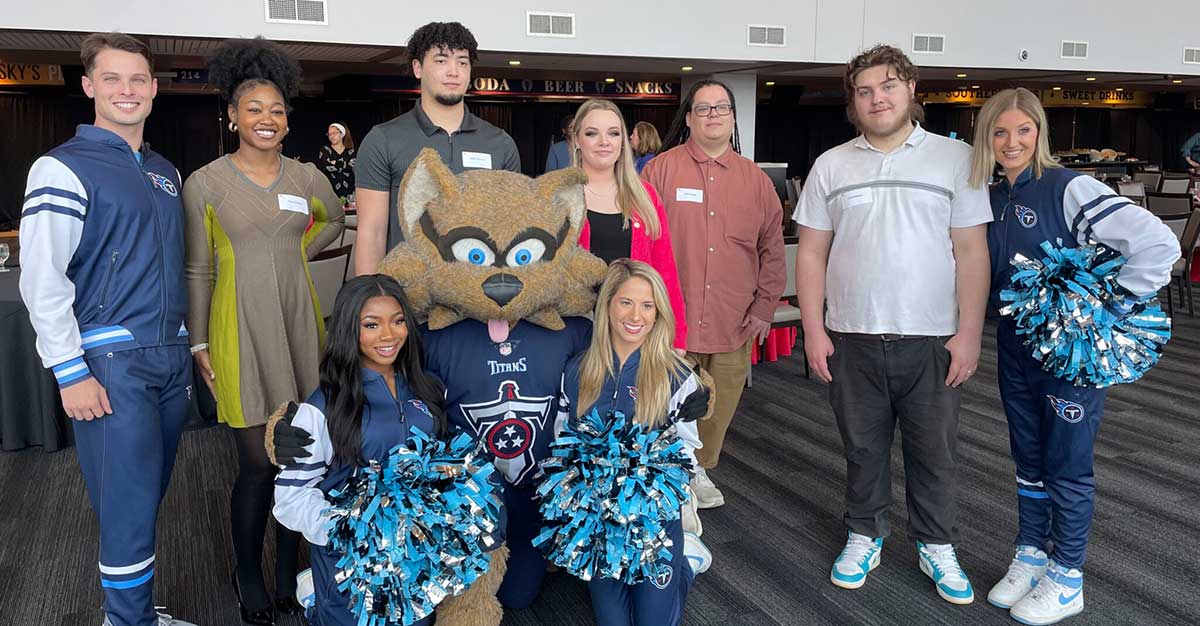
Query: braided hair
column 240, row 65
column 679, row 132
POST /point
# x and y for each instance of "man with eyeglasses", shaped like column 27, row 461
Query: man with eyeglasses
column 727, row 231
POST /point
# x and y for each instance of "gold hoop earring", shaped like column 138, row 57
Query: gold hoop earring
column 232, row 126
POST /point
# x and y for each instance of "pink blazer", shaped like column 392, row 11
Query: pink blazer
column 658, row 254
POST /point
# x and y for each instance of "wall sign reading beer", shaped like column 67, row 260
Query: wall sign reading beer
column 544, row 88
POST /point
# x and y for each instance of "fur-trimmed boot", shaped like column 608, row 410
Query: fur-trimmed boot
column 478, row 606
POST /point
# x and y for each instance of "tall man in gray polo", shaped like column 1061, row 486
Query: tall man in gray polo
column 441, row 54
column 895, row 238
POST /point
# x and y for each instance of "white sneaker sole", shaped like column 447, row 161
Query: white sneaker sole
column 948, row 598
column 871, row 565
column 1047, row 622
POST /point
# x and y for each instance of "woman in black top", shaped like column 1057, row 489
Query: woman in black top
column 337, row 160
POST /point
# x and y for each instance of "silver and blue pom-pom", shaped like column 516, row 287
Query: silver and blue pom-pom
column 415, row 529
column 1084, row 327
column 609, row 490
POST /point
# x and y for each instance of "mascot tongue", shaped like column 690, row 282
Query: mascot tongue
column 498, row 330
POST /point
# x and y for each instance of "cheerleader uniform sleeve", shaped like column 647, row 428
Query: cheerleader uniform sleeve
column 1094, row 212
column 688, row 432
column 300, row 505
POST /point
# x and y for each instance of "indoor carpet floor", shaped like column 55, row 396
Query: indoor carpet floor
column 782, row 474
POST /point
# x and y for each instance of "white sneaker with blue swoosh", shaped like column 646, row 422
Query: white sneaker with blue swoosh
column 698, row 554
column 1026, row 569
column 1057, row 596
column 858, row 558
column 940, row 563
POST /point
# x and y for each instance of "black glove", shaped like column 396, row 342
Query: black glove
column 290, row 440
column 696, row 404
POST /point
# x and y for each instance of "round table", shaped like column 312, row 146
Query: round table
column 31, row 412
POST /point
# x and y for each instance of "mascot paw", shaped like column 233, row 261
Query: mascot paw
column 478, row 606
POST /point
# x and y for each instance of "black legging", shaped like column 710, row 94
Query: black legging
column 249, row 508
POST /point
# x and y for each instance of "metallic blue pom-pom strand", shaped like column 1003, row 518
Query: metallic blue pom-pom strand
column 1078, row 321
column 608, row 491
column 415, row 529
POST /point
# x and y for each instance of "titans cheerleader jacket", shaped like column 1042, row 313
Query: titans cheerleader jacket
column 101, row 251
column 619, row 393
column 1074, row 208
column 387, row 420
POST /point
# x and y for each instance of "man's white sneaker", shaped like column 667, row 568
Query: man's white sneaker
column 690, row 515
column 940, row 563
column 707, row 494
column 1057, row 596
column 858, row 558
column 1026, row 568
column 698, row 554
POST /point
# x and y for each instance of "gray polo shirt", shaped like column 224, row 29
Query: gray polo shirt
column 387, row 151
column 891, row 266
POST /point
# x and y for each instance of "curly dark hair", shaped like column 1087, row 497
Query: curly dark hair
column 881, row 54
column 242, row 64
column 435, row 35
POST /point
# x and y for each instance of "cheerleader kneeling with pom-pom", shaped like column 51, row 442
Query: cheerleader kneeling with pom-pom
column 398, row 518
column 613, row 489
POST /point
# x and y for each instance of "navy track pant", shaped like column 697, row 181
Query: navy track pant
column 127, row 458
column 1052, row 426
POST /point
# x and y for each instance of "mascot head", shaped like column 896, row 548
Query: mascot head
column 494, row 246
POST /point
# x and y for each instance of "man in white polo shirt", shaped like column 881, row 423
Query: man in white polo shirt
column 894, row 238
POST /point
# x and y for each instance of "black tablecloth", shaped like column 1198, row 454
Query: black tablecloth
column 31, row 411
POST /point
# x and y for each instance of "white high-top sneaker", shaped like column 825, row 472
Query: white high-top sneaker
column 707, row 494
column 1057, row 596
column 1026, row 569
column 305, row 590
column 940, row 564
column 858, row 558
column 698, row 554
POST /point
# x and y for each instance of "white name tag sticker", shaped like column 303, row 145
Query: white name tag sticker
column 683, row 194
column 295, row 204
column 479, row 160
column 859, row 196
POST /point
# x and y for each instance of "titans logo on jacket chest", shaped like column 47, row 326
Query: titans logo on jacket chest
column 510, row 426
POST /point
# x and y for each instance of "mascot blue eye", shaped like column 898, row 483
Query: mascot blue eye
column 526, row 252
column 473, row 251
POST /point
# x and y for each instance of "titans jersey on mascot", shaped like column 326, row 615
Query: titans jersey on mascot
column 505, row 393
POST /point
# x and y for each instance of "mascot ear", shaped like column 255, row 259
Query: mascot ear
column 426, row 179
column 564, row 188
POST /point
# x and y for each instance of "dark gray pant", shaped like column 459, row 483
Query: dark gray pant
column 878, row 380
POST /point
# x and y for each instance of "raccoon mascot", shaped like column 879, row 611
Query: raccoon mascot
column 490, row 262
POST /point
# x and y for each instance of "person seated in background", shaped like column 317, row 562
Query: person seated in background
column 1191, row 153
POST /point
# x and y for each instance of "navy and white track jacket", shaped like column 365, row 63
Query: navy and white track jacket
column 101, row 252
column 301, row 489
column 1074, row 207
column 619, row 393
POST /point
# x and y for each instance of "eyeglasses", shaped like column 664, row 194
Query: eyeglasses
column 706, row 110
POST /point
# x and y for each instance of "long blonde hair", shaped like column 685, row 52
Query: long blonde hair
column 632, row 198
column 659, row 366
column 983, row 158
